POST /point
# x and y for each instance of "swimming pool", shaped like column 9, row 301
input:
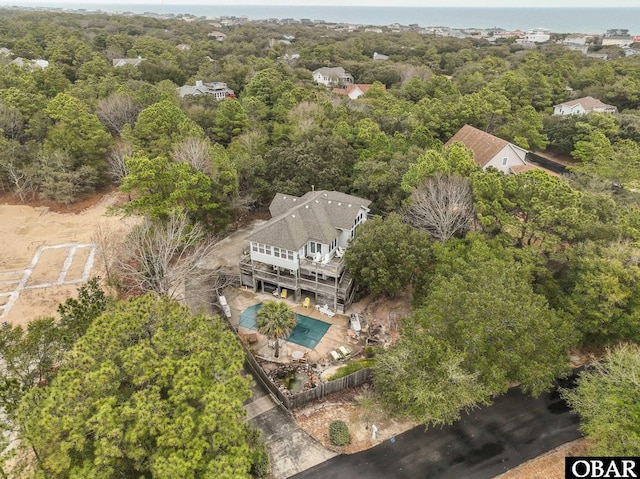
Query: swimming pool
column 308, row 331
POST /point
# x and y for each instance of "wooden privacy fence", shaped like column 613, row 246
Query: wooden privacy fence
column 325, row 388
column 322, row 389
column 291, row 402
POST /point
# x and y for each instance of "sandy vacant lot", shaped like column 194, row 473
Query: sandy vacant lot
column 45, row 256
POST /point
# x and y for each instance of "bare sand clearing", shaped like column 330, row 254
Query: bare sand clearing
column 45, row 256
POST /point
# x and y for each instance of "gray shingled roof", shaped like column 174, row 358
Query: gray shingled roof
column 317, row 216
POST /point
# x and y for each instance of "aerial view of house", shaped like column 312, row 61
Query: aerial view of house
column 583, row 106
column 301, row 248
column 336, row 76
column 491, row 151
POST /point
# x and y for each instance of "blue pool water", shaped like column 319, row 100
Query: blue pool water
column 308, row 331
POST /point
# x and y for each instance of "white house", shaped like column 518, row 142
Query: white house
column 489, row 150
column 120, row 62
column 582, row 106
column 538, row 35
column 33, row 64
column 332, row 76
column 217, row 89
column 616, row 36
column 379, row 56
column 301, row 247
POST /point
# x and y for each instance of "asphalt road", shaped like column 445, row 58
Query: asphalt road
column 486, row 442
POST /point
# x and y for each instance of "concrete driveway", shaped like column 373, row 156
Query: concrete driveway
column 481, row 445
column 291, row 449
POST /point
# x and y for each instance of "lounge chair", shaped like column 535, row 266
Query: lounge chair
column 340, row 252
column 335, row 355
column 344, row 351
column 283, row 295
column 306, row 303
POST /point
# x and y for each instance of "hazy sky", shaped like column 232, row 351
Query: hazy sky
column 364, row 3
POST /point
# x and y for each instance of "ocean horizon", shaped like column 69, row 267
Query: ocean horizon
column 558, row 20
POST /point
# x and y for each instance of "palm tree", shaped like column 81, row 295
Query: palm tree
column 276, row 320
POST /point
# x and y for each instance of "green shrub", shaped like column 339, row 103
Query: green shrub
column 369, row 352
column 351, row 367
column 339, row 433
column 259, row 455
column 260, row 462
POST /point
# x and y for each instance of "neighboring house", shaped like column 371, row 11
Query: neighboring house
column 290, row 57
column 120, row 62
column 217, row 36
column 582, row 106
column 332, row 76
column 5, row 52
column 619, row 37
column 354, row 91
column 489, row 150
column 183, row 47
column 217, row 89
column 33, row 64
column 301, row 248
column 379, row 56
column 539, row 35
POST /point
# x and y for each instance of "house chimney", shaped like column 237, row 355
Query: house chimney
column 313, row 187
column 198, row 82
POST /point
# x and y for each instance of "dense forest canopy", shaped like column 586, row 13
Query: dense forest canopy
column 536, row 263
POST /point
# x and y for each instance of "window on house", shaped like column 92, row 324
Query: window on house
column 290, row 255
column 504, row 161
column 267, row 250
column 254, row 247
column 261, row 248
column 276, row 252
column 314, row 247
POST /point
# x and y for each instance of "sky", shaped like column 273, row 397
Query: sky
column 366, row 3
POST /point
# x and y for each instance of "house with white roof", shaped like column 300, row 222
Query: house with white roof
column 583, row 106
column 33, row 64
column 301, row 247
column 120, row 62
column 538, row 35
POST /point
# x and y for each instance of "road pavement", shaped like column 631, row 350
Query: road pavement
column 484, row 443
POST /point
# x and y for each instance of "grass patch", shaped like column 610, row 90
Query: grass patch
column 352, row 367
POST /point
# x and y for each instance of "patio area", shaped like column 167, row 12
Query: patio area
column 337, row 334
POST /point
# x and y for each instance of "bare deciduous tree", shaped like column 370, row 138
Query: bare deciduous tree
column 117, row 157
column 194, row 151
column 116, row 111
column 407, row 72
column 22, row 180
column 108, row 239
column 442, row 206
column 160, row 256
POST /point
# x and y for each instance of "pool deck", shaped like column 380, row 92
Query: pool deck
column 337, row 335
